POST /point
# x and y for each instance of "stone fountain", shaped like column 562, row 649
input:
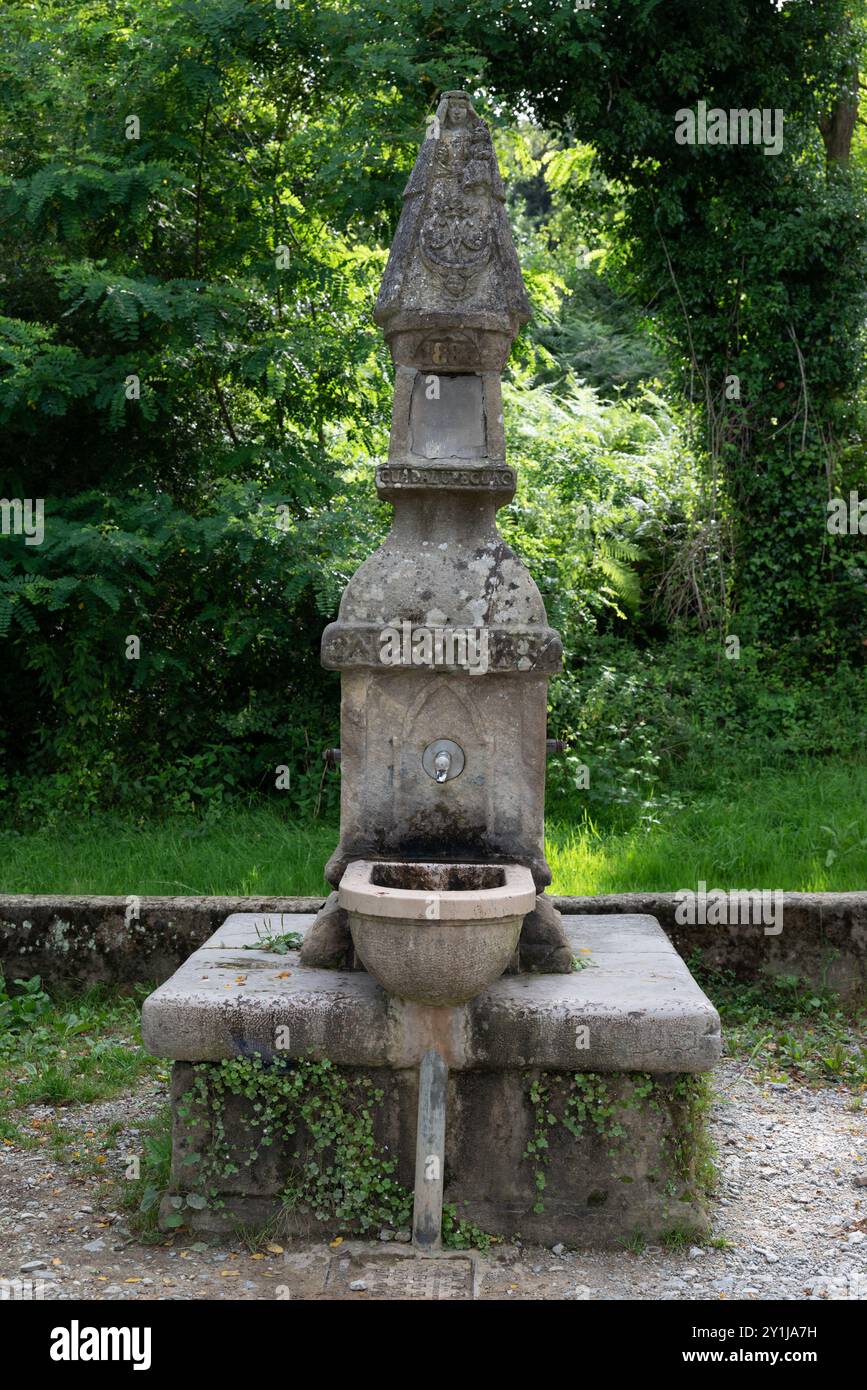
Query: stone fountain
column 438, row 966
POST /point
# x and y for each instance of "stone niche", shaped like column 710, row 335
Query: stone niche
column 389, row 719
column 450, row 423
column 446, row 416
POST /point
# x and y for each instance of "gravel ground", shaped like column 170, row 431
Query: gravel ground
column 792, row 1201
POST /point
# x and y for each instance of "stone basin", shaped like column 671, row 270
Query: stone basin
column 436, row 933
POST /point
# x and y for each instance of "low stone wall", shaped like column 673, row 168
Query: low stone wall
column 83, row 940
column 87, row 940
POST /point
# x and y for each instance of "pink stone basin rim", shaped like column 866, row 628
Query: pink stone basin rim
column 426, row 891
column 436, row 933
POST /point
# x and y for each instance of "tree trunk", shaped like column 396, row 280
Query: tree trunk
column 838, row 125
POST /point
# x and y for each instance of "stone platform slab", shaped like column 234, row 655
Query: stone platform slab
column 600, row 1059
column 632, row 1007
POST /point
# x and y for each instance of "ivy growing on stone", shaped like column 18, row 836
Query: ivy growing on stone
column 584, row 1101
column 339, row 1174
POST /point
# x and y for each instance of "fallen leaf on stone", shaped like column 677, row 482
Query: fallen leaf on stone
column 275, row 1249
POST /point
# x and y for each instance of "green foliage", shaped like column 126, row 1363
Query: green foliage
column 582, row 1102
column 688, row 1147
column 679, row 1238
column 788, row 1030
column 600, row 482
column 800, row 827
column 748, row 265
column 339, row 1174
column 802, row 830
column 142, row 1198
column 228, row 602
column 187, row 372
column 655, row 725
column 460, row 1234
column 342, row 1179
column 226, row 687
column 22, row 1012
column 66, row 1050
column 226, row 849
column 190, row 378
column 278, row 944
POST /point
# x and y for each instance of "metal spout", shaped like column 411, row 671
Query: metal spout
column 442, row 763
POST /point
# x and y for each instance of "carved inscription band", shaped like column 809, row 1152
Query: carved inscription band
column 390, row 476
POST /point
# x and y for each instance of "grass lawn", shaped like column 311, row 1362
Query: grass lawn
column 802, row 830
column 799, row 831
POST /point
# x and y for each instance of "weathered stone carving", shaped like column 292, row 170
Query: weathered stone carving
column 453, row 243
column 502, row 479
column 445, row 654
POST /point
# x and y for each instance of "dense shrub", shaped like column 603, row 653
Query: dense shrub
column 654, row 725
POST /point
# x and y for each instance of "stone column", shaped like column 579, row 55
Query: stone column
column 442, row 639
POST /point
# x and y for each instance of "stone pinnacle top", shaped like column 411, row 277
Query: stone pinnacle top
column 453, row 261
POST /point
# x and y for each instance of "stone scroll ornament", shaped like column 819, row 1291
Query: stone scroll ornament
column 451, row 303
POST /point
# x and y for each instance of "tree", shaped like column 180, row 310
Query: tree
column 191, row 208
column 754, row 265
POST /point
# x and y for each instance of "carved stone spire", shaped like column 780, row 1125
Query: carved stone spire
column 453, row 263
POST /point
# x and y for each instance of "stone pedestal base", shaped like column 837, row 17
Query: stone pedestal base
column 575, row 1103
column 634, row 1164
